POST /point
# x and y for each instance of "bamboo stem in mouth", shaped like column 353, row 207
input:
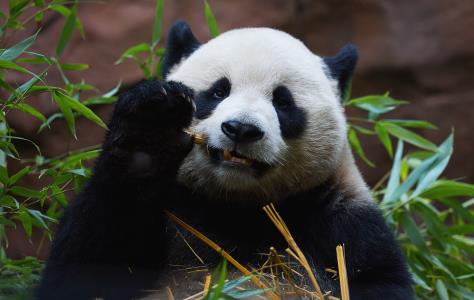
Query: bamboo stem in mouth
column 197, row 138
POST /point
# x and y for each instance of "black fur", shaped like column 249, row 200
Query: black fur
column 341, row 66
column 208, row 100
column 113, row 241
column 292, row 118
column 180, row 43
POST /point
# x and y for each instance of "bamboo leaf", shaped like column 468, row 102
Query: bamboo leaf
column 66, row 111
column 441, row 289
column 74, row 67
column 448, row 188
column 355, row 143
column 5, row 64
column 67, row 30
column 83, row 110
column 25, row 192
column 384, row 138
column 20, row 174
column 412, row 231
column 408, row 136
column 211, row 20
column 412, row 123
column 158, row 23
column 394, row 179
column 18, row 49
column 133, row 52
column 29, row 110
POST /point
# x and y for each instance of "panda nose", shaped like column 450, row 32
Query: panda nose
column 240, row 132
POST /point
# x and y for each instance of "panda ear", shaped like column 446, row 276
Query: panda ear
column 180, row 43
column 341, row 66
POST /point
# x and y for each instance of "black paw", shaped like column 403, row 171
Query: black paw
column 146, row 134
column 155, row 104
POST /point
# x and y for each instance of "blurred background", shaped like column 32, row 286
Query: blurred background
column 421, row 51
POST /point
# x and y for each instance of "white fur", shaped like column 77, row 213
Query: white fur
column 256, row 61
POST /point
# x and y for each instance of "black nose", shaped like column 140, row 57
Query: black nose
column 240, row 132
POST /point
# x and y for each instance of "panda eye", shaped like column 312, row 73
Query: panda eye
column 220, row 89
column 282, row 103
column 282, row 98
column 219, row 94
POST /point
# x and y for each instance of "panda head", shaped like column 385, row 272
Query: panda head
column 269, row 108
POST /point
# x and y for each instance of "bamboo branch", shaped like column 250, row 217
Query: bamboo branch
column 222, row 252
column 294, row 250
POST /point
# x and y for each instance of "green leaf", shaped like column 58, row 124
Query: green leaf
column 444, row 154
column 83, row 110
column 408, row 136
column 74, row 67
column 25, row 192
column 133, row 52
column 412, row 123
column 5, row 64
column 4, row 175
column 13, row 179
column 25, row 87
column 355, row 143
column 50, row 120
column 216, row 291
column 247, row 293
column 363, row 130
column 394, row 179
column 448, row 188
column 26, row 222
column 384, row 138
column 229, row 286
column 66, row 111
column 67, row 31
column 58, row 195
column 412, row 231
column 211, row 20
column 29, row 110
column 441, row 289
column 9, row 201
column 15, row 51
column 158, row 23
column 375, row 104
column 40, row 218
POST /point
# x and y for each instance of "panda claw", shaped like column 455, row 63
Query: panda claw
column 163, row 91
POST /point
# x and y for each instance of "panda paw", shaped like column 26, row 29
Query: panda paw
column 146, row 128
column 155, row 103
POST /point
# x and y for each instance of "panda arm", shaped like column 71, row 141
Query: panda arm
column 115, row 225
column 376, row 266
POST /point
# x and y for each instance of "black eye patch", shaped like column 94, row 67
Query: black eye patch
column 292, row 118
column 207, row 100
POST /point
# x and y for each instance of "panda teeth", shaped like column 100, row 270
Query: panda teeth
column 227, row 155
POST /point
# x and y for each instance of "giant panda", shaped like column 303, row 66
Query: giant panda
column 264, row 97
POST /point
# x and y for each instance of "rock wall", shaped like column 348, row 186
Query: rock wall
column 421, row 51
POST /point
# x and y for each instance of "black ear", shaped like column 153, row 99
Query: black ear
column 341, row 66
column 180, row 43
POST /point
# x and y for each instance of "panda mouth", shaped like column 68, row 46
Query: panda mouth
column 233, row 158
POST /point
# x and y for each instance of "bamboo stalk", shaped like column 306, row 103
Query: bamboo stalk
column 222, row 252
column 295, row 251
column 169, row 293
column 341, row 265
column 207, row 284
